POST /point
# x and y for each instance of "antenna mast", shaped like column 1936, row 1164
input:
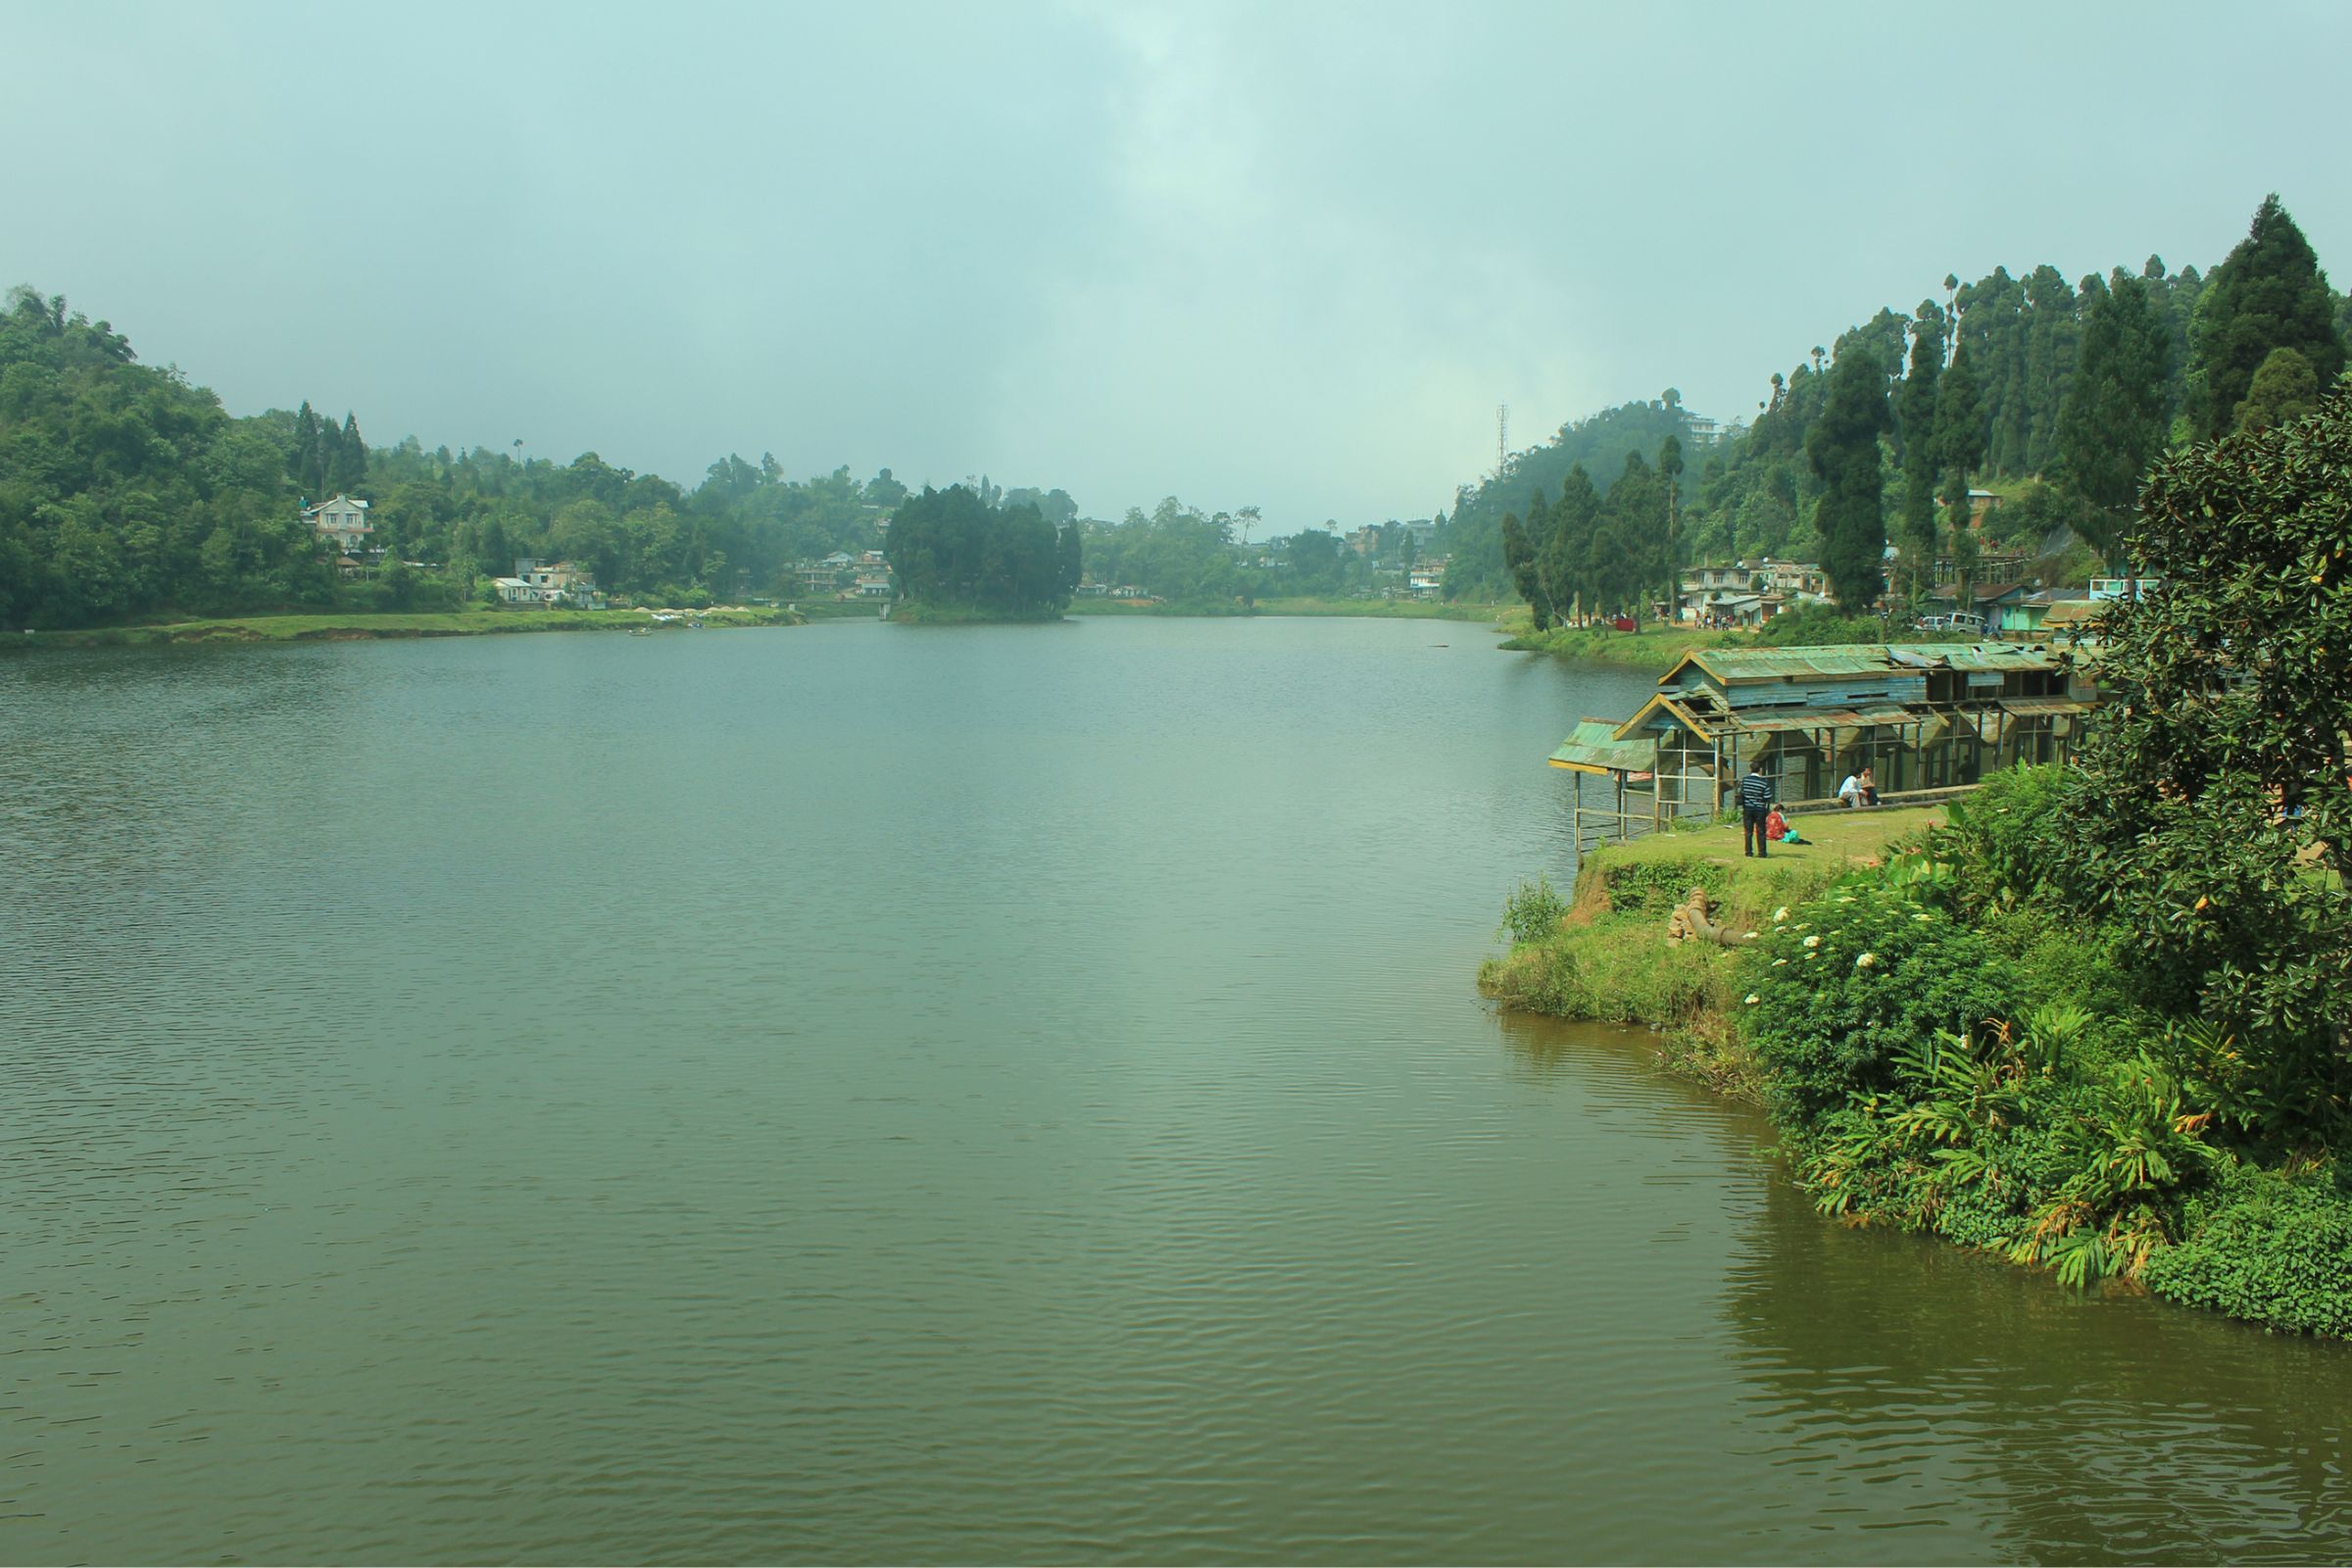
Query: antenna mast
column 1503, row 438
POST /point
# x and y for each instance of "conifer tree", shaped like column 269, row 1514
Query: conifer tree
column 2113, row 423
column 304, row 463
column 349, row 466
column 1843, row 447
column 1915, row 409
column 1568, row 543
column 1519, row 560
column 2269, row 294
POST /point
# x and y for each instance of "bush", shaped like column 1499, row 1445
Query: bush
column 1869, row 969
column 1533, row 911
column 2267, row 1247
column 2001, row 839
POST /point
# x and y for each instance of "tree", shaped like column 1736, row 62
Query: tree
column 1959, row 441
column 347, row 458
column 1915, row 410
column 1670, row 470
column 2113, row 423
column 1842, row 448
column 951, row 550
column 2214, row 821
column 1519, row 559
column 2268, row 294
column 1568, row 543
column 2283, row 389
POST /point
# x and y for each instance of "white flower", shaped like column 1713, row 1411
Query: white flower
column 1753, row 999
column 1777, row 962
column 1781, row 914
column 1813, row 941
column 1866, row 960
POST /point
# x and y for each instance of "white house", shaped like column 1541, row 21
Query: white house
column 537, row 582
column 342, row 522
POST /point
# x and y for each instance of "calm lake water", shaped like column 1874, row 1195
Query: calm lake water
column 876, row 1093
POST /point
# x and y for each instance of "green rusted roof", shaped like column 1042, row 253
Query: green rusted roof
column 1843, row 659
column 1594, row 747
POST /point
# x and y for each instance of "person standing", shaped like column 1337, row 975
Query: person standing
column 1756, row 801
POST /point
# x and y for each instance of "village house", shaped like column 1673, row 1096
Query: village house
column 341, row 523
column 1426, row 579
column 1926, row 716
column 547, row 584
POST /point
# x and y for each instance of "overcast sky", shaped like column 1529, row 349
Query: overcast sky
column 1290, row 256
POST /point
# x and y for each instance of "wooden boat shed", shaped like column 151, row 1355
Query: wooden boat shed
column 1929, row 717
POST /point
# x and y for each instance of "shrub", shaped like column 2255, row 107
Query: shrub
column 1533, row 911
column 2000, row 840
column 2267, row 1247
column 1855, row 976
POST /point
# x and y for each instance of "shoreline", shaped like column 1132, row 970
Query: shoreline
column 2210, row 1231
column 372, row 627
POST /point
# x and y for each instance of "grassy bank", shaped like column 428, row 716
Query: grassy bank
column 1949, row 1042
column 1601, row 952
column 1355, row 609
column 1653, row 647
column 1383, row 609
column 351, row 627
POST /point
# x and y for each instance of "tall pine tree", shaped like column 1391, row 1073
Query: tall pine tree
column 2269, row 294
column 2113, row 423
column 1843, row 448
column 1915, row 410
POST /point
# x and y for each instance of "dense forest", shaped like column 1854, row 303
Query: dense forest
column 2060, row 394
column 127, row 491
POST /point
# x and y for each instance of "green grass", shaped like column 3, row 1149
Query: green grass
column 1382, row 609
column 1308, row 605
column 1653, row 647
column 1610, row 960
column 350, row 626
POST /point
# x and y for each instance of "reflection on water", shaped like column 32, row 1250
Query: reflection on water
column 974, row 1094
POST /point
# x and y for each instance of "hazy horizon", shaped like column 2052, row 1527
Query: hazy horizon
column 1293, row 258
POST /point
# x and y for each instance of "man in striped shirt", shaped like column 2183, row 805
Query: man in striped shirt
column 1755, row 799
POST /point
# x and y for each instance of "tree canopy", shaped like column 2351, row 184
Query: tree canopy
column 951, row 550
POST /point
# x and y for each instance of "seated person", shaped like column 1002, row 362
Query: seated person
column 1870, row 788
column 1851, row 792
column 1776, row 828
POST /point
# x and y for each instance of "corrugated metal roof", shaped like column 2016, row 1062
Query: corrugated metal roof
column 1822, row 718
column 1594, row 747
column 1861, row 659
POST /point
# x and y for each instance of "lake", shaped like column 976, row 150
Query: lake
column 889, row 1094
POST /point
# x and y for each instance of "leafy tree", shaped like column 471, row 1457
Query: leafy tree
column 1519, row 559
column 2214, row 816
column 1843, row 448
column 2113, row 424
column 2268, row 294
column 2283, row 389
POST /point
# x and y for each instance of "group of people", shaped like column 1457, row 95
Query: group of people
column 1762, row 824
column 1859, row 789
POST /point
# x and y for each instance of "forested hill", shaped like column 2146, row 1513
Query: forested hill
column 1471, row 533
column 2076, row 386
column 125, row 491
